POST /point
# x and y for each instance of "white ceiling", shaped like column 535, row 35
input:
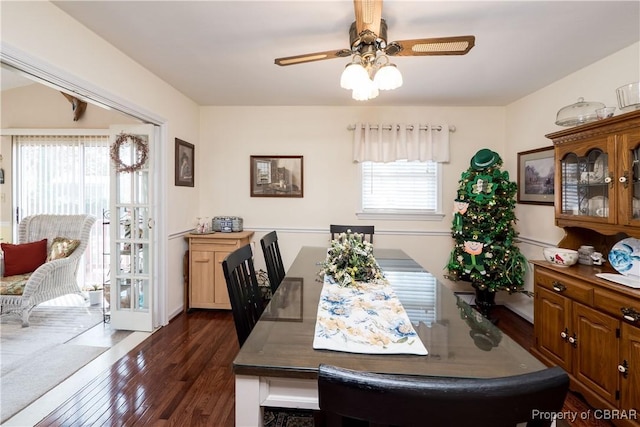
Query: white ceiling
column 222, row 52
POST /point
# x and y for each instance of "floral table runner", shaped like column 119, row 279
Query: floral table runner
column 365, row 317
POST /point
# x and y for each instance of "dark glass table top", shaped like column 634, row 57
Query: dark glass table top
column 460, row 342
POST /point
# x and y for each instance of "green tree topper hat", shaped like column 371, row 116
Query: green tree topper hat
column 484, row 159
column 483, row 228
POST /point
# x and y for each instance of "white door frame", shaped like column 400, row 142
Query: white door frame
column 56, row 78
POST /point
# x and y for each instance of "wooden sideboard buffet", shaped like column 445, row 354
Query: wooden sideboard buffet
column 588, row 325
column 579, row 324
column 207, row 287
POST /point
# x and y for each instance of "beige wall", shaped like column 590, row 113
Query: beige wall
column 230, row 135
column 39, row 106
column 534, row 116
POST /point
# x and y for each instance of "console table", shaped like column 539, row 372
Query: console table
column 206, row 287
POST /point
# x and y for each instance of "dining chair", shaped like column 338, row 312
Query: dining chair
column 367, row 230
column 244, row 293
column 407, row 400
column 273, row 259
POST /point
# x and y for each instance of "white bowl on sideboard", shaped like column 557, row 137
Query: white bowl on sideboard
column 560, row 256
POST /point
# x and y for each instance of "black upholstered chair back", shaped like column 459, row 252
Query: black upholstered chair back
column 367, row 230
column 403, row 400
column 244, row 293
column 273, row 259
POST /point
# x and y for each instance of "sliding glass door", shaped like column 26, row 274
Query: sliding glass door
column 66, row 174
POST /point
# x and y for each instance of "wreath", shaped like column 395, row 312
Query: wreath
column 142, row 151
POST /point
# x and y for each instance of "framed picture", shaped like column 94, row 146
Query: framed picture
column 276, row 176
column 535, row 176
column 286, row 303
column 185, row 169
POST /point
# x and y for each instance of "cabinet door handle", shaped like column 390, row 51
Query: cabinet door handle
column 624, row 179
column 609, row 180
column 573, row 340
column 565, row 334
column 630, row 314
column 623, row 368
column 558, row 287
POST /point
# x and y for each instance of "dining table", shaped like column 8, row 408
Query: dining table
column 278, row 366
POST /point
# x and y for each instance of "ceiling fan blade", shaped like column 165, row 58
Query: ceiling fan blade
column 368, row 15
column 458, row 45
column 310, row 57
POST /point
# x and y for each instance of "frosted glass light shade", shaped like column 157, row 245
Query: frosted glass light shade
column 352, row 75
column 388, row 77
column 365, row 91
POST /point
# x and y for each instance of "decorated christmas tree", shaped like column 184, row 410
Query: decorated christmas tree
column 483, row 228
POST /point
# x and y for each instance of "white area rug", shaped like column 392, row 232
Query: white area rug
column 33, row 360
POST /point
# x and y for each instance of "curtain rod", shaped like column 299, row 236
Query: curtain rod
column 408, row 127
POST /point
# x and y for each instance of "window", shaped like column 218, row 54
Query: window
column 401, row 190
column 66, row 174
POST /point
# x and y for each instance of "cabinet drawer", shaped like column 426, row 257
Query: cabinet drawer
column 614, row 303
column 574, row 289
column 225, row 245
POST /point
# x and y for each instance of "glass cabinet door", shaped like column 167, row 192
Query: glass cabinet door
column 585, row 184
column 634, row 182
column 627, row 180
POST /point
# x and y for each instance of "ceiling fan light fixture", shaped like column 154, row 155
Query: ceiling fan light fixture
column 388, row 77
column 370, row 69
column 353, row 74
column 365, row 90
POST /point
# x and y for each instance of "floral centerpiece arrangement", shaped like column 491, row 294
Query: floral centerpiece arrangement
column 350, row 259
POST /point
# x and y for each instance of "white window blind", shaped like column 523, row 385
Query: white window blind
column 570, row 195
column 417, row 292
column 400, row 187
column 415, row 288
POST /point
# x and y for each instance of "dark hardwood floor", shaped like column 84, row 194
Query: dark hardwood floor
column 182, row 376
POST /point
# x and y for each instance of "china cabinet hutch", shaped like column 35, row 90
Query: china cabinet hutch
column 588, row 325
column 206, row 286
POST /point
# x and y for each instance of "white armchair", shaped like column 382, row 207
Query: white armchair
column 53, row 278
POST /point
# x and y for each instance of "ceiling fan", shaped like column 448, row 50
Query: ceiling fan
column 369, row 46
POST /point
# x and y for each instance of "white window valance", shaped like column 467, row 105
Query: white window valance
column 398, row 141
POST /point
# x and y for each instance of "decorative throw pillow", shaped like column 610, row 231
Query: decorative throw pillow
column 14, row 285
column 24, row 258
column 61, row 247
